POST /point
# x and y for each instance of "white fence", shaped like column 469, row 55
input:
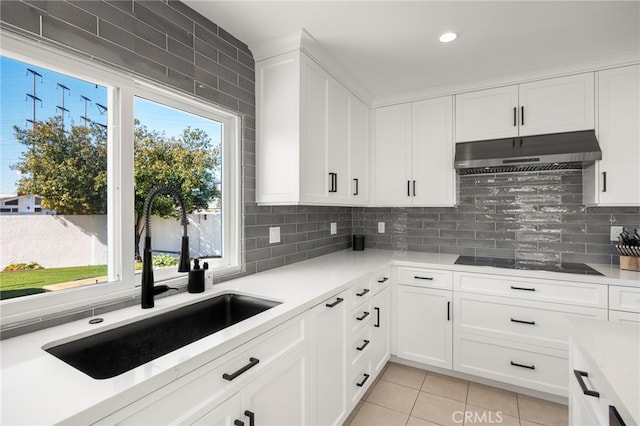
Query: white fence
column 59, row 241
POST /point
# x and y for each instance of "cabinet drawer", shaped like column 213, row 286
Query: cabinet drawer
column 182, row 401
column 624, row 298
column 359, row 381
column 361, row 291
column 620, row 316
column 420, row 277
column 566, row 292
column 360, row 317
column 523, row 366
column 538, row 323
column 380, row 279
column 359, row 346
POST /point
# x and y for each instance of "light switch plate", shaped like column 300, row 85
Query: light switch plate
column 380, row 227
column 615, row 232
column 274, row 234
column 334, row 228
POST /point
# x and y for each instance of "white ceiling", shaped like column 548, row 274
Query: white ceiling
column 391, row 47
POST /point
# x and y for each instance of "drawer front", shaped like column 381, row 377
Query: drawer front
column 628, row 317
column 359, row 381
column 359, row 347
column 380, row 279
column 361, row 291
column 523, row 367
column 182, row 401
column 566, row 292
column 360, row 317
column 624, row 298
column 537, row 323
column 421, row 277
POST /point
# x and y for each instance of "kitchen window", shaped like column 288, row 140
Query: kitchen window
column 128, row 120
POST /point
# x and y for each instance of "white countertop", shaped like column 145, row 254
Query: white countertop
column 38, row 388
column 614, row 348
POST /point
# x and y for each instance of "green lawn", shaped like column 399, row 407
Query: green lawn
column 22, row 283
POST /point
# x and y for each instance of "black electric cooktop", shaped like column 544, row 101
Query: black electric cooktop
column 570, row 268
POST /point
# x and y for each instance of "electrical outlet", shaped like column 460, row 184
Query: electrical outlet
column 274, row 234
column 380, row 227
column 615, row 232
column 334, row 228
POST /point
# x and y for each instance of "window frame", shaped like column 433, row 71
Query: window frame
column 122, row 87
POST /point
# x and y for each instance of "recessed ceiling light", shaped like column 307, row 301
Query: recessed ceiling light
column 447, row 37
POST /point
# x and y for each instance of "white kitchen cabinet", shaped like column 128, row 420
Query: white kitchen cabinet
column 328, row 360
column 414, row 154
column 381, row 330
column 624, row 304
column 423, row 325
column 306, row 121
column 552, row 105
column 615, row 180
column 358, row 152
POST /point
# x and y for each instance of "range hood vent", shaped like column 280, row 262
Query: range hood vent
column 557, row 151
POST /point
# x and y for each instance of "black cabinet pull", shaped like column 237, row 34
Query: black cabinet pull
column 604, row 181
column 523, row 288
column 361, row 384
column 334, row 182
column 252, row 363
column 383, row 280
column 337, row 302
column 364, row 345
column 529, row 367
column 377, row 324
column 522, row 116
column 356, row 181
column 414, row 188
column 252, row 417
column 364, row 315
column 579, row 375
column 417, row 277
column 448, row 311
column 408, row 188
column 363, row 292
column 523, row 322
column 237, row 422
column 515, row 117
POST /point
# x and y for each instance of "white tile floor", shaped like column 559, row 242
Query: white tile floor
column 406, row 396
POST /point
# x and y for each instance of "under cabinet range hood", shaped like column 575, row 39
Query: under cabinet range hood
column 528, row 153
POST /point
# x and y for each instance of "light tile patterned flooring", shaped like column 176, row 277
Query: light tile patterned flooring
column 407, row 396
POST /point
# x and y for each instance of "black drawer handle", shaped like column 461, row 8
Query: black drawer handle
column 363, row 292
column 361, row 384
column 356, row 181
column 523, row 288
column 377, row 324
column 237, row 422
column 384, row 280
column 252, row 363
column 423, row 278
column 579, row 375
column 529, row 367
column 364, row 315
column 252, row 417
column 364, row 345
column 448, row 311
column 523, row 322
column 337, row 302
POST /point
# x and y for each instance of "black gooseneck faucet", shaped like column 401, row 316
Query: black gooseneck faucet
column 148, row 289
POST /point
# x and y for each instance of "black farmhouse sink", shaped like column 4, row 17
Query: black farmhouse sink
column 113, row 352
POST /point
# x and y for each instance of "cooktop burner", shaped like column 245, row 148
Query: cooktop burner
column 570, row 268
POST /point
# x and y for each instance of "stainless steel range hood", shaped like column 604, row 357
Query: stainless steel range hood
column 528, row 153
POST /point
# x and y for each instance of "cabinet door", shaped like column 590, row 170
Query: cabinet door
column 338, row 141
column 224, row 414
column 358, row 151
column 393, row 155
column 381, row 329
column 328, row 361
column 432, row 152
column 314, row 176
column 554, row 105
column 280, row 396
column 619, row 136
column 487, row 114
column 424, row 331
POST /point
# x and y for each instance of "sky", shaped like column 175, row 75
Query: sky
column 16, row 108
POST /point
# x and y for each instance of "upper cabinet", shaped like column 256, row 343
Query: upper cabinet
column 547, row 106
column 414, row 154
column 311, row 135
column 615, row 180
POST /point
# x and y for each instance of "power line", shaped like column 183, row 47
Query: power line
column 33, row 96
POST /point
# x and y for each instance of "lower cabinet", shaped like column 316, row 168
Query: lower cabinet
column 381, row 330
column 423, row 328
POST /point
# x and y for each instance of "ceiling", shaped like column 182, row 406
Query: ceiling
column 392, row 47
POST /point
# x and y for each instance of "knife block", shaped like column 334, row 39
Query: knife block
column 630, row 263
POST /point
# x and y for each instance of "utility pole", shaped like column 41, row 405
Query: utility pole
column 34, row 98
column 61, row 107
column 87, row 101
column 101, row 109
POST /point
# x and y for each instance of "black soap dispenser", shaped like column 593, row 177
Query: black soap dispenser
column 196, row 278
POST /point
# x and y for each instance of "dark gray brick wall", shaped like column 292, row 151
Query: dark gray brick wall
column 167, row 42
column 532, row 216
